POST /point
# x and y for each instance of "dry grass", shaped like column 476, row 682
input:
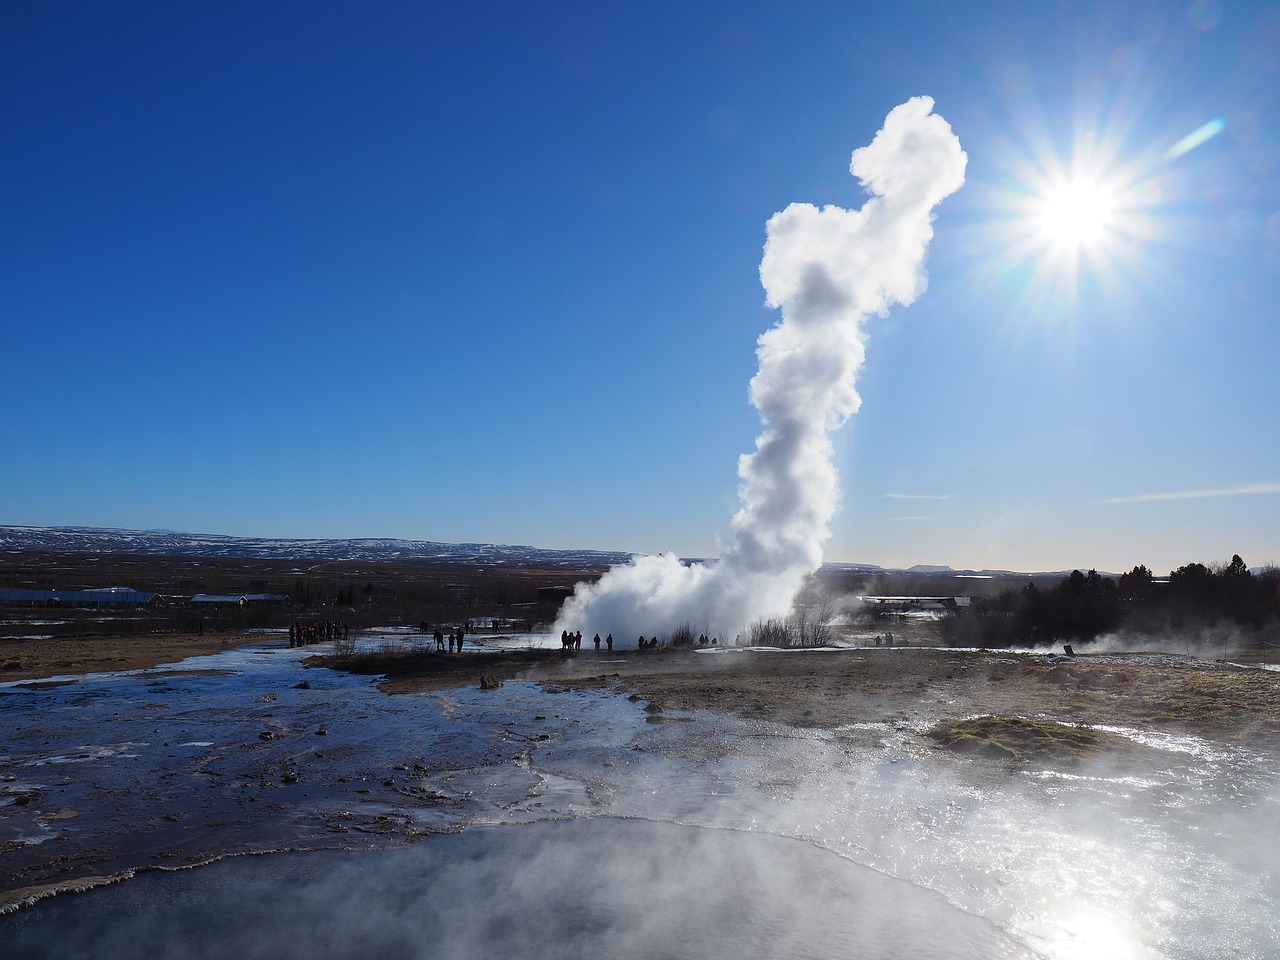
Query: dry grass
column 1214, row 698
column 1020, row 738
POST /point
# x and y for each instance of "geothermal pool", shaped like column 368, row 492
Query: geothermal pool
column 596, row 887
column 566, row 823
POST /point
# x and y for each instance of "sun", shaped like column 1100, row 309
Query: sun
column 1060, row 230
column 1076, row 213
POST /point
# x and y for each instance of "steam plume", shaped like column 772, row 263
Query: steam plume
column 827, row 270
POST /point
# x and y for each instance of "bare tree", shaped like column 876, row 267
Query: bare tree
column 810, row 624
column 769, row 632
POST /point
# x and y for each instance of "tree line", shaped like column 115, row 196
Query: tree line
column 1194, row 600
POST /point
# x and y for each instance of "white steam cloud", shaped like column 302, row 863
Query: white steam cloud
column 827, row 270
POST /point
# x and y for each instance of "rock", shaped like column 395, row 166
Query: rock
column 304, row 685
column 489, row 682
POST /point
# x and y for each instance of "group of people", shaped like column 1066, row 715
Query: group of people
column 573, row 641
column 454, row 637
column 652, row 643
column 302, row 634
column 451, row 641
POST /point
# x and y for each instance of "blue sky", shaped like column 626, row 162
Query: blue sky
column 489, row 272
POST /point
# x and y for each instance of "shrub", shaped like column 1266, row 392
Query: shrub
column 769, row 632
column 682, row 636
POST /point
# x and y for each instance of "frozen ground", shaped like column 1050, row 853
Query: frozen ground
column 574, row 822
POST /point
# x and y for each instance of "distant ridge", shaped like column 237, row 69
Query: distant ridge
column 374, row 549
column 169, row 543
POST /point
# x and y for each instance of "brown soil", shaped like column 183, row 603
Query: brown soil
column 32, row 659
column 829, row 689
column 823, row 689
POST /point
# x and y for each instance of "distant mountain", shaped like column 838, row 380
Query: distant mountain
column 171, row 543
column 855, row 567
column 168, row 543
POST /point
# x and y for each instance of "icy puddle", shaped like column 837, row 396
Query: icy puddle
column 572, row 823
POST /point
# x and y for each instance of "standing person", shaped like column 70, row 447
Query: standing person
column 596, row 641
column 461, row 633
column 609, row 642
column 451, row 641
column 577, row 640
column 439, row 638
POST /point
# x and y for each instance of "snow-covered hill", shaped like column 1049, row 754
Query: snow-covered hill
column 168, row 543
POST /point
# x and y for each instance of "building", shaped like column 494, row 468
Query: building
column 102, row 598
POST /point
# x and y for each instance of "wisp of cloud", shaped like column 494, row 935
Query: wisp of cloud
column 828, row 270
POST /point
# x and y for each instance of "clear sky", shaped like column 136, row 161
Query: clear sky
column 490, row 272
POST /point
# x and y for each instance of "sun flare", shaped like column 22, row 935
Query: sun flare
column 1075, row 214
column 1072, row 221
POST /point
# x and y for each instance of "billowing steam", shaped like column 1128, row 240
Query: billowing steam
column 828, row 270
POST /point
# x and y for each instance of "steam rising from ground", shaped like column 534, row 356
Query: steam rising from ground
column 828, row 270
column 570, row 889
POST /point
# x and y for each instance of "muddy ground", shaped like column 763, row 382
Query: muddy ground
column 819, row 689
column 167, row 770
column 34, row 658
column 1229, row 700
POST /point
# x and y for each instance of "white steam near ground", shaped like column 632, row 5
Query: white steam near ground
column 1219, row 640
column 555, row 890
column 828, row 270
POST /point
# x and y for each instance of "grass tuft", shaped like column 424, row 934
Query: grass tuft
column 1020, row 738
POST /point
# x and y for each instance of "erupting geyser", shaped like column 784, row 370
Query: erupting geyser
column 828, row 270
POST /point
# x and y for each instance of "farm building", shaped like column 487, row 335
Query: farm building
column 104, row 598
